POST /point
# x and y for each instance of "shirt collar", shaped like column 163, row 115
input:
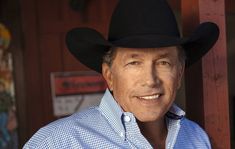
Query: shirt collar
column 175, row 112
column 112, row 111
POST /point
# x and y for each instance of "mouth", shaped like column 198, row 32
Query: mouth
column 149, row 97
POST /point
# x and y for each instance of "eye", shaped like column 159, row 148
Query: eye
column 164, row 63
column 134, row 63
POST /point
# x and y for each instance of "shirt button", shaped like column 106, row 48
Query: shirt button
column 168, row 145
column 121, row 134
column 127, row 118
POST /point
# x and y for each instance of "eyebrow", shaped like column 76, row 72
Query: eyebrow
column 161, row 55
column 134, row 55
column 164, row 55
column 131, row 56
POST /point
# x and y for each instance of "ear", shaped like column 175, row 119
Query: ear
column 180, row 75
column 107, row 74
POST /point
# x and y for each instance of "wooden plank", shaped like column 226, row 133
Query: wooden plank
column 230, row 6
column 32, row 64
column 215, row 83
column 212, row 74
column 51, row 61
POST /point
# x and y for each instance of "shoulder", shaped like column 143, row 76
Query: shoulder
column 192, row 126
column 63, row 129
column 191, row 134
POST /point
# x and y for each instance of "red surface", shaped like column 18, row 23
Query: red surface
column 78, row 85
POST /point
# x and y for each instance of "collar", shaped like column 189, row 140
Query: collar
column 175, row 113
column 112, row 112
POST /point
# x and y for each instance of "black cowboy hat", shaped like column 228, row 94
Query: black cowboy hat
column 140, row 24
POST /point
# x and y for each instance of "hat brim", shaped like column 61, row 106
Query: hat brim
column 89, row 46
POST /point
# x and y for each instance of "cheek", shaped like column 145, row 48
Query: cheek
column 171, row 81
column 124, row 80
column 123, row 89
column 121, row 85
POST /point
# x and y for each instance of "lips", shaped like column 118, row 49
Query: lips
column 150, row 97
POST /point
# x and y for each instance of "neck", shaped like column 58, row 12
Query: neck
column 155, row 132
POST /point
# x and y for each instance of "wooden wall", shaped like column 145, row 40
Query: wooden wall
column 44, row 25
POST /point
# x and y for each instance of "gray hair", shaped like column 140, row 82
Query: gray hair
column 109, row 56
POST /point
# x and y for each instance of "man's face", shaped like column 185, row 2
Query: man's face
column 144, row 81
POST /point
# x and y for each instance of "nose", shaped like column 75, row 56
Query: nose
column 151, row 78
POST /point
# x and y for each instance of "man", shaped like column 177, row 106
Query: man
column 142, row 61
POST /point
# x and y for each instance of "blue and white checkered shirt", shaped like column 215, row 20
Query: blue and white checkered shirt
column 107, row 126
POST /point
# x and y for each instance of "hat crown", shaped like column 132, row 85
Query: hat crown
column 138, row 17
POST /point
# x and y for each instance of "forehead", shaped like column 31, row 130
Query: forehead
column 146, row 52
